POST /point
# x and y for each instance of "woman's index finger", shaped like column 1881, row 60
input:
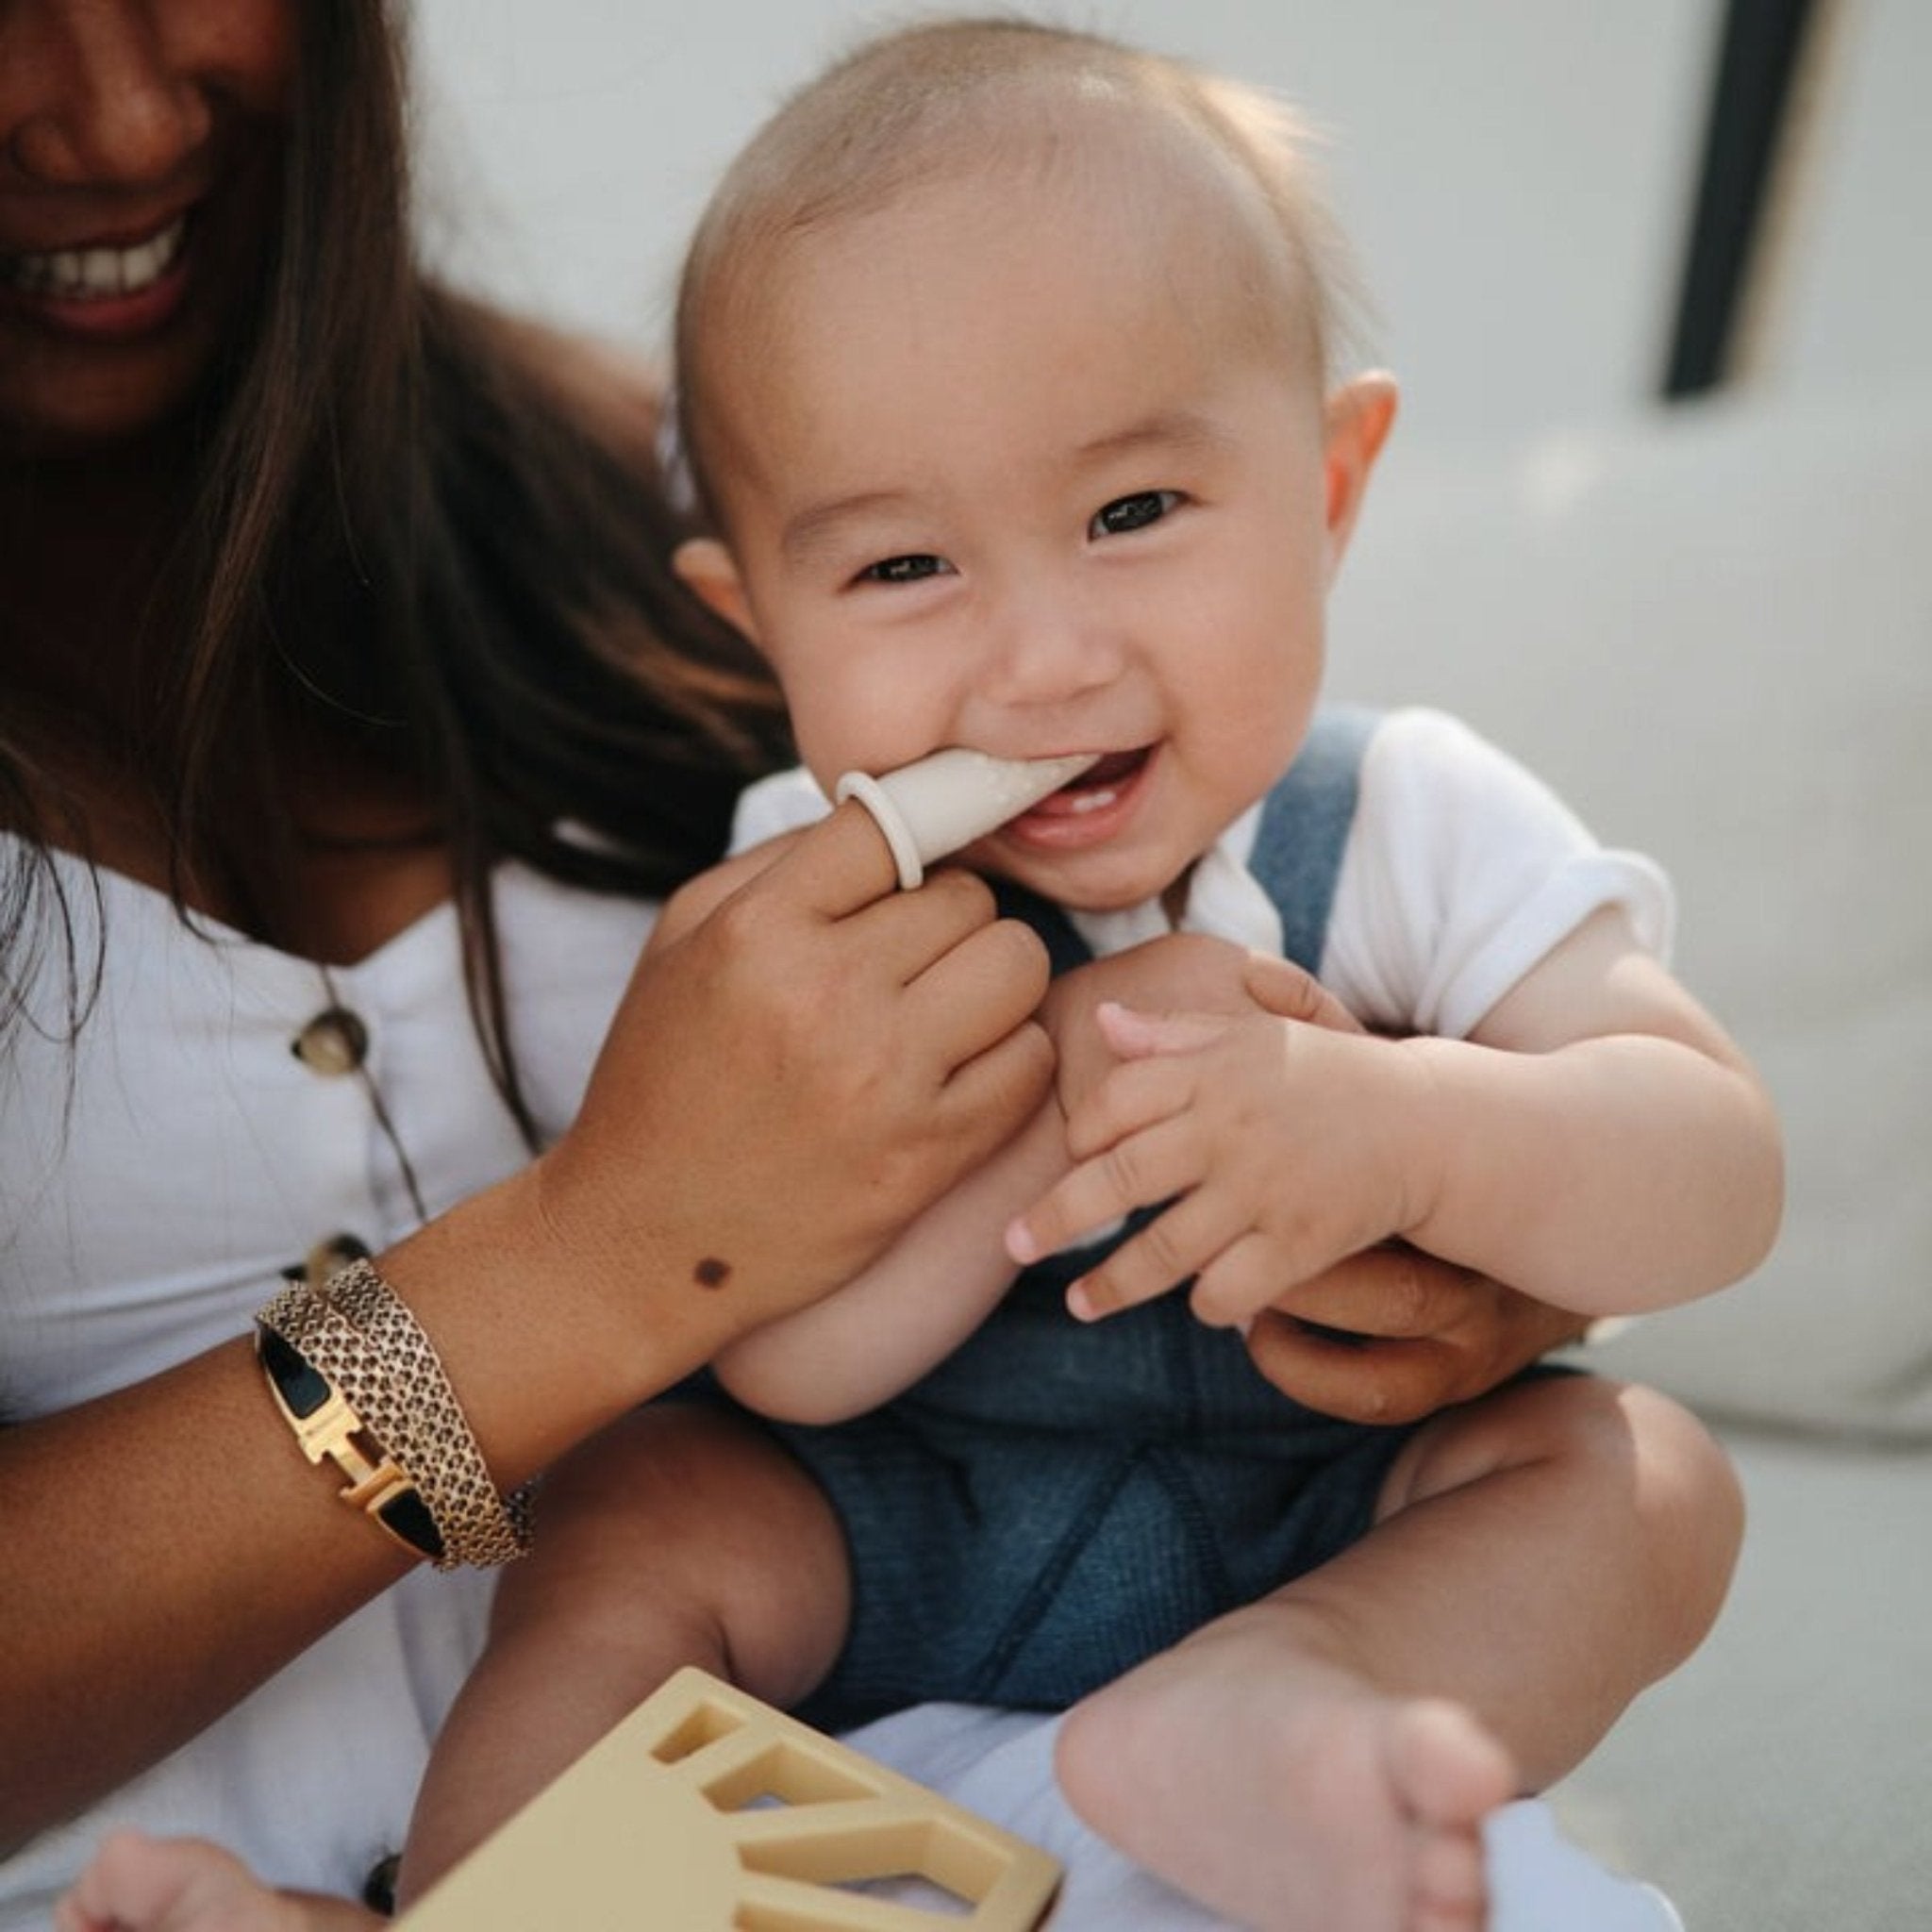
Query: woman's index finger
column 839, row 865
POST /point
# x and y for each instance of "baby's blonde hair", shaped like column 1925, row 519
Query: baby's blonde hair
column 911, row 106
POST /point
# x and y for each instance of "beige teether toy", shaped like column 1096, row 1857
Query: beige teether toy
column 706, row 1811
column 938, row 804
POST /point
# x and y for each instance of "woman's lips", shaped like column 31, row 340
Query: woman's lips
column 102, row 290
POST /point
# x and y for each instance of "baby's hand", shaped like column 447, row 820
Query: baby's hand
column 1182, row 972
column 1289, row 1145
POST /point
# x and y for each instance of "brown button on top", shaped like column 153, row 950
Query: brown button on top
column 335, row 1041
column 327, row 1255
column 379, row 1887
column 325, row 1258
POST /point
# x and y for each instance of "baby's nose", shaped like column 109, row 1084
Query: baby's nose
column 1049, row 651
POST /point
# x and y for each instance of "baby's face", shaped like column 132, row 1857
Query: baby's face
column 1015, row 484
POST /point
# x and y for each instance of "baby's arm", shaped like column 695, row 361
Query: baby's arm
column 1600, row 1139
column 941, row 1280
column 1598, row 1142
column 865, row 1343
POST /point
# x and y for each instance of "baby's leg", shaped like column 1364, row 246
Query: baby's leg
column 1322, row 1760
column 140, row 1884
column 680, row 1536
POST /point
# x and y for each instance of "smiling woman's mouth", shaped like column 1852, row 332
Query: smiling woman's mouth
column 96, row 275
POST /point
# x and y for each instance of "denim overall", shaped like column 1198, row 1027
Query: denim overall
column 1056, row 1502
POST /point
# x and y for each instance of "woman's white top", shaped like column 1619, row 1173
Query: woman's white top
column 160, row 1171
column 156, row 1176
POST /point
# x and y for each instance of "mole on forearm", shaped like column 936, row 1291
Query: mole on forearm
column 711, row 1273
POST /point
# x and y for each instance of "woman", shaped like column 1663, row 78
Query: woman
column 350, row 726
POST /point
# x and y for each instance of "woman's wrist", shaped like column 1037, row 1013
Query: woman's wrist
column 543, row 1339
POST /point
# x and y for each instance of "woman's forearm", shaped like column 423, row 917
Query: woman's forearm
column 172, row 1549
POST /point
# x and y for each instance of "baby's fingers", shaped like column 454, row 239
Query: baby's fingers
column 1133, row 1097
column 1136, row 1035
column 1138, row 1171
column 1284, row 988
column 1192, row 1233
column 1240, row 1284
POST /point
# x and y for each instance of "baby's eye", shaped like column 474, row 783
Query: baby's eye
column 1133, row 513
column 909, row 569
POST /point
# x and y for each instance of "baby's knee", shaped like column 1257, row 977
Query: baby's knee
column 1647, row 1449
column 1691, row 1502
column 649, row 1509
column 1643, row 1465
column 1622, row 1441
column 683, row 1517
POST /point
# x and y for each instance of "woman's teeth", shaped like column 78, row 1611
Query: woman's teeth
column 96, row 275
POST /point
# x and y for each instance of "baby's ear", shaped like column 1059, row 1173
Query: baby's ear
column 705, row 566
column 1360, row 415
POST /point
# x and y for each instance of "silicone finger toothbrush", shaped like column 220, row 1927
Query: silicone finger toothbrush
column 938, row 804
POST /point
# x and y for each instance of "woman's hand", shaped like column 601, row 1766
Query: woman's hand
column 1391, row 1335
column 790, row 1081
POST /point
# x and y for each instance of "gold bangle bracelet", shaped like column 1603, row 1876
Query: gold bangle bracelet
column 327, row 1427
column 359, row 1335
column 483, row 1526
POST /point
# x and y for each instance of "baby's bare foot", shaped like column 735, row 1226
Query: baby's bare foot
column 140, row 1884
column 1287, row 1795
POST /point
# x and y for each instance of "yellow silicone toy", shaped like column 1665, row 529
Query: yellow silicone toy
column 706, row 1811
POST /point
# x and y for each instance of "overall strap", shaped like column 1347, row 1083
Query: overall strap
column 1304, row 828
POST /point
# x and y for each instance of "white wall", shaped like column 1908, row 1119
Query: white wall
column 1851, row 291
column 1516, row 173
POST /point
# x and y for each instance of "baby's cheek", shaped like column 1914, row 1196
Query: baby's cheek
column 840, row 727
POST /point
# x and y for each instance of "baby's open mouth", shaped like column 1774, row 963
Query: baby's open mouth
column 1097, row 786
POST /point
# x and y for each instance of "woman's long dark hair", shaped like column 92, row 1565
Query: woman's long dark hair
column 413, row 523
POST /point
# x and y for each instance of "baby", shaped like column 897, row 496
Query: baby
column 1006, row 381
